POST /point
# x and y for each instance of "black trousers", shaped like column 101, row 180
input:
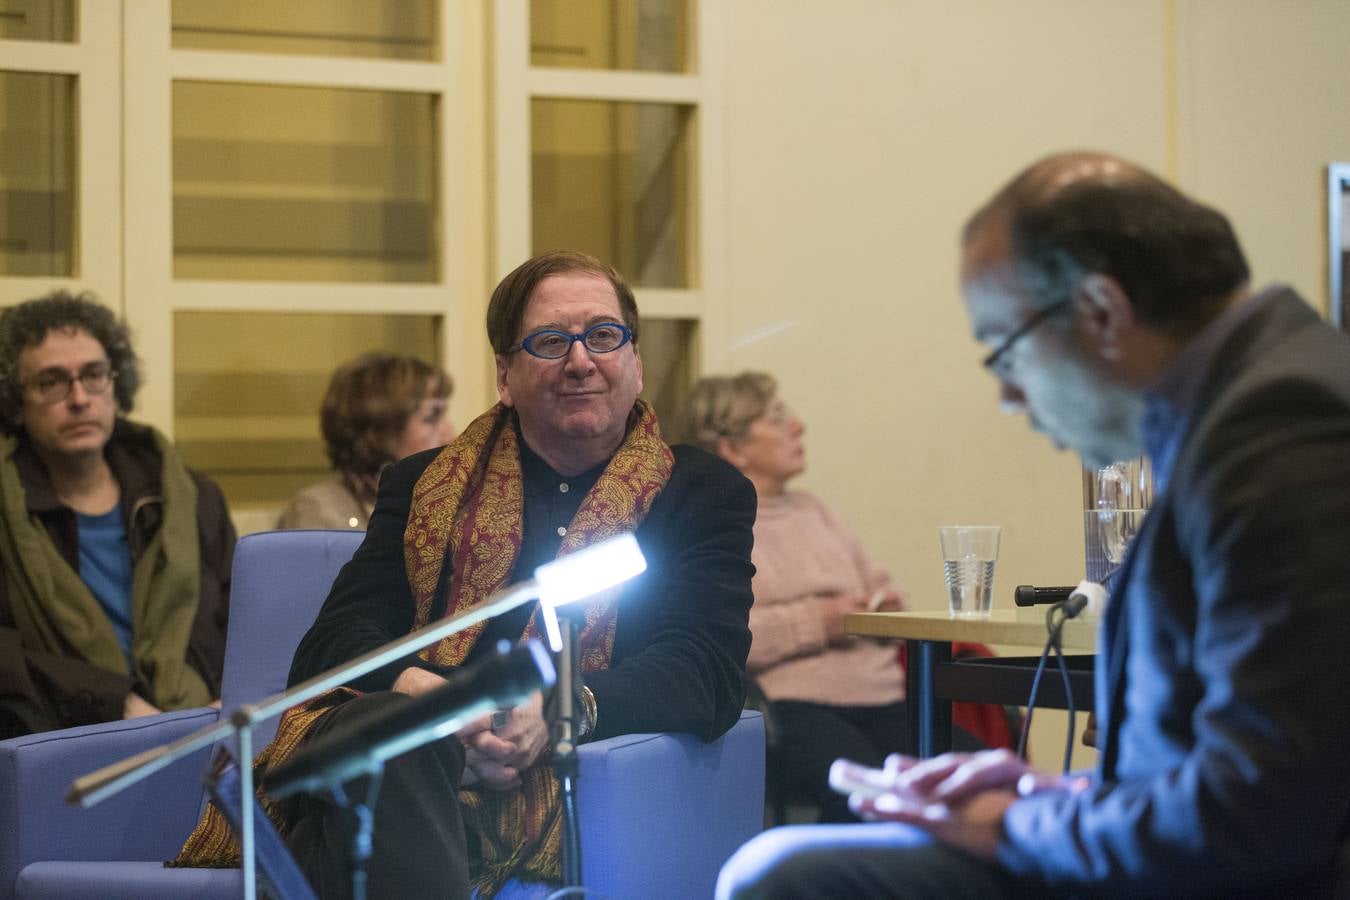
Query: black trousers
column 813, row 735
column 419, row 847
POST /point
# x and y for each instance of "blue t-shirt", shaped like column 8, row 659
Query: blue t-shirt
column 105, row 568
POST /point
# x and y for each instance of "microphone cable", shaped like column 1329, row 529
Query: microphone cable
column 1084, row 595
column 1053, row 629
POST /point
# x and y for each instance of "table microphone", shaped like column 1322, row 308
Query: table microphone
column 1030, row 595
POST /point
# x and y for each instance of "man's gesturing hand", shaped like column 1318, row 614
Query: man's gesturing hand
column 959, row 798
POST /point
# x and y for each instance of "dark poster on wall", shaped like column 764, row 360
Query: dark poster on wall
column 1338, row 242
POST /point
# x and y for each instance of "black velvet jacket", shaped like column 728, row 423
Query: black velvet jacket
column 683, row 625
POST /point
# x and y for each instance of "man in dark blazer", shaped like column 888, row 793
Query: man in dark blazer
column 568, row 457
column 1119, row 320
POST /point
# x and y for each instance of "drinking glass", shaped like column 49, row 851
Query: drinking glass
column 968, row 556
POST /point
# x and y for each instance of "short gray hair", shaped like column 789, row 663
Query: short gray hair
column 723, row 406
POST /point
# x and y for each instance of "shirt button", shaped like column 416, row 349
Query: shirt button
column 564, row 487
column 353, row 522
column 561, row 531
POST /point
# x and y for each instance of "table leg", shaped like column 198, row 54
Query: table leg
column 930, row 719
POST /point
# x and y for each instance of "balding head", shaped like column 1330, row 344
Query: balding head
column 1077, row 213
column 1042, row 180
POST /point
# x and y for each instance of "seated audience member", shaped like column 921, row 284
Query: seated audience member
column 833, row 694
column 377, row 410
column 569, row 457
column 1119, row 318
column 114, row 557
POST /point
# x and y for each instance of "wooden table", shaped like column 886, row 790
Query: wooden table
column 934, row 679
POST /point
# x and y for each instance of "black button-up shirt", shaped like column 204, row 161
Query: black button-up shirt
column 551, row 502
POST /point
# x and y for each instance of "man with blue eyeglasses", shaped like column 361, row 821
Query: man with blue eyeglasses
column 114, row 557
column 569, row 457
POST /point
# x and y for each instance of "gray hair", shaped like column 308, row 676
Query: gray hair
column 723, row 406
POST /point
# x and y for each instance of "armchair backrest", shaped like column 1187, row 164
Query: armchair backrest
column 280, row 581
column 646, row 801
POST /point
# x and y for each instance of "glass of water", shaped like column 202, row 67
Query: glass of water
column 968, row 556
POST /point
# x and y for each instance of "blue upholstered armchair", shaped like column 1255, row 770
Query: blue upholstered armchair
column 659, row 812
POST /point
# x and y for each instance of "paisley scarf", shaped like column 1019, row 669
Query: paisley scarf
column 468, row 509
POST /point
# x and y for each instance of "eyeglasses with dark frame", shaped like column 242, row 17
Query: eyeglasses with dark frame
column 54, row 385
column 998, row 361
column 549, row 343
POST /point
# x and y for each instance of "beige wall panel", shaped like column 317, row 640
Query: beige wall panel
column 860, row 135
column 1266, row 105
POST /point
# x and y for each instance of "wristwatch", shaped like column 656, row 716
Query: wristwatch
column 586, row 715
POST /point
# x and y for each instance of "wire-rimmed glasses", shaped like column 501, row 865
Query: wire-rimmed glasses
column 998, row 360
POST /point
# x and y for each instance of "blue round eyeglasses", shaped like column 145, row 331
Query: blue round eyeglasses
column 548, row 343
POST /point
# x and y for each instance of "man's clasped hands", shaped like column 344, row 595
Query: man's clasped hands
column 493, row 756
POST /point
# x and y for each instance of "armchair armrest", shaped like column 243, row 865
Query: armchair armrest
column 146, row 821
column 660, row 813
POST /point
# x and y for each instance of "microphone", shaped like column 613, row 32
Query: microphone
column 1030, row 595
column 500, row 681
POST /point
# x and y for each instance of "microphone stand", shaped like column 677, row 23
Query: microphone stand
column 96, row 786
column 562, row 581
column 566, row 764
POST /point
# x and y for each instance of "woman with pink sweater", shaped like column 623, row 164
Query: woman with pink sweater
column 833, row 695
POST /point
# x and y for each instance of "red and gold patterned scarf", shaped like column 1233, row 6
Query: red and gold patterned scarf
column 468, row 506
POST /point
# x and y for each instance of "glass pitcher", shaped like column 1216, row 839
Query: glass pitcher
column 1115, row 499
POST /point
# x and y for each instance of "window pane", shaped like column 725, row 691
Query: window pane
column 651, row 35
column 37, row 20
column 37, row 178
column 247, row 389
column 387, row 29
column 614, row 179
column 303, row 184
column 668, row 366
